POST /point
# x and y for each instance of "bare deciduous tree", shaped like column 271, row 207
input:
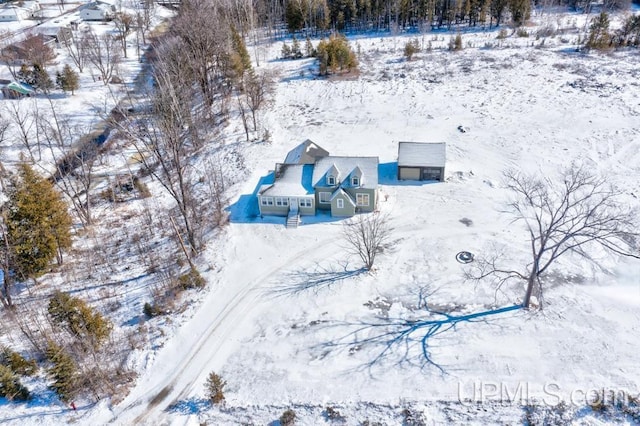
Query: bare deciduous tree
column 77, row 50
column 258, row 87
column 367, row 235
column 104, row 54
column 123, row 23
column 570, row 216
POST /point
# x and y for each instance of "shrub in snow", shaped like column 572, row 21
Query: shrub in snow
column 288, row 418
column 539, row 415
column 334, row 415
column 191, row 279
column 215, row 388
column 151, row 311
column 412, row 418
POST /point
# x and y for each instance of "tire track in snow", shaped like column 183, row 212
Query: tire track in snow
column 236, row 308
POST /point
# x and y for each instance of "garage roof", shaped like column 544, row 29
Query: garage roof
column 422, row 154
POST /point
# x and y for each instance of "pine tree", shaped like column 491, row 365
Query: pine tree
column 295, row 49
column 63, row 372
column 38, row 224
column 67, row 80
column 79, row 319
column 309, row 51
column 599, row 37
column 41, row 79
column 286, row 51
column 215, row 388
column 25, row 74
column 243, row 59
column 335, row 54
column 10, row 386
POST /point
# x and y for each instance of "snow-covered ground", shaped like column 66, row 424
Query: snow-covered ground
column 288, row 322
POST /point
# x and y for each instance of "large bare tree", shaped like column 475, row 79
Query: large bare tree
column 571, row 215
column 367, row 235
column 104, row 53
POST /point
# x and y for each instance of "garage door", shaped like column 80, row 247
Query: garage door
column 409, row 174
column 430, row 174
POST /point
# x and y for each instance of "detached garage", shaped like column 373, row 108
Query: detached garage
column 421, row 161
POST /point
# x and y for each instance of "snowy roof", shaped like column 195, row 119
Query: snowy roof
column 346, row 165
column 422, row 154
column 305, row 153
column 18, row 12
column 291, row 180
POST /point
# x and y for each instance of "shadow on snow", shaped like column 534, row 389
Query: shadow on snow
column 297, row 282
column 392, row 333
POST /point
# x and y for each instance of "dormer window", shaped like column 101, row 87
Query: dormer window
column 355, row 181
column 331, row 180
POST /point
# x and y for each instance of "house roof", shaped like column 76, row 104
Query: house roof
column 12, row 11
column 291, row 180
column 305, row 153
column 346, row 165
column 422, row 154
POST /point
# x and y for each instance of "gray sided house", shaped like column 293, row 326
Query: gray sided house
column 421, row 161
column 311, row 180
column 346, row 185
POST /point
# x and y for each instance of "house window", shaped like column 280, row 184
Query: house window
column 267, row 201
column 362, row 200
column 305, row 202
column 325, row 197
column 280, row 202
column 355, row 181
column 340, row 203
column 331, row 180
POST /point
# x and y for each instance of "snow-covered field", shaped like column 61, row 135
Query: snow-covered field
column 281, row 342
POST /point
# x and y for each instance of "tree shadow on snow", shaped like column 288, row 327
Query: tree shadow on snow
column 189, row 406
column 410, row 340
column 317, row 279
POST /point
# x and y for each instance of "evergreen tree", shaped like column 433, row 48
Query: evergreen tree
column 294, row 15
column 79, row 319
column 38, row 224
column 67, row 80
column 309, row 51
column 520, row 11
column 215, row 388
column 25, row 74
column 242, row 60
column 286, row 51
column 10, row 386
column 335, row 54
column 41, row 79
column 296, row 53
column 63, row 372
column 17, row 363
column 599, row 37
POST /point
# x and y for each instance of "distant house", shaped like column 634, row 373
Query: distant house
column 97, row 11
column 12, row 13
column 60, row 34
column 34, row 49
column 16, row 90
column 310, row 180
column 421, row 161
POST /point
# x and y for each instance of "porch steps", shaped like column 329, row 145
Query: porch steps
column 293, row 219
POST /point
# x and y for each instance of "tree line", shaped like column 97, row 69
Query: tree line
column 395, row 15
